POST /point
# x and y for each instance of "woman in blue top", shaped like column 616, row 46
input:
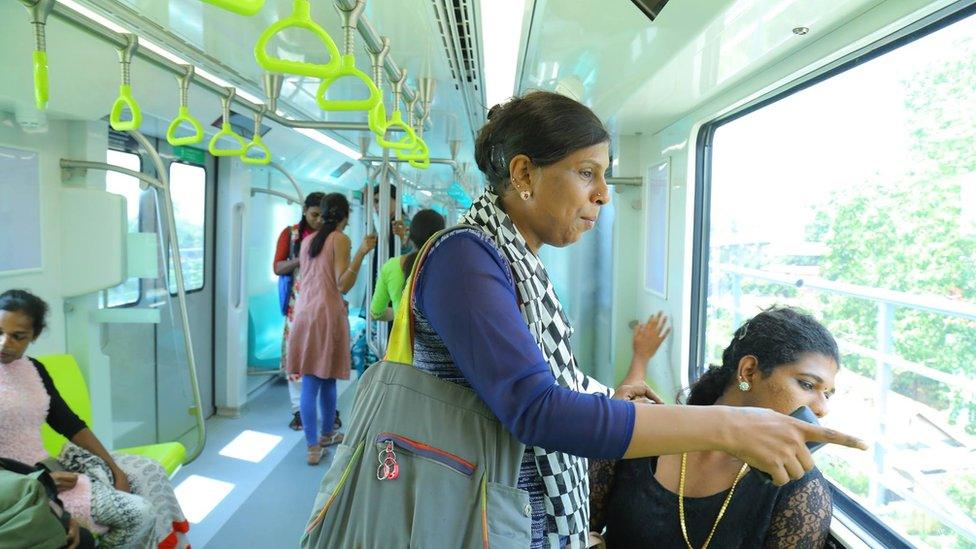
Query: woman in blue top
column 487, row 317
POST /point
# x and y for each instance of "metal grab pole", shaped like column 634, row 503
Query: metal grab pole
column 398, row 242
column 368, row 215
column 174, row 246
column 291, row 178
column 382, row 252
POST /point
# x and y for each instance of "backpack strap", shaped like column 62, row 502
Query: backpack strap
column 400, row 346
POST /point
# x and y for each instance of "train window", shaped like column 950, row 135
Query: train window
column 854, row 198
column 128, row 292
column 188, row 186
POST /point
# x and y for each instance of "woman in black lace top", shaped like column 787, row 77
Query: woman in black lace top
column 781, row 359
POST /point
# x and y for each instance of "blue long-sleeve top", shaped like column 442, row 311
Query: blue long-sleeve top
column 465, row 291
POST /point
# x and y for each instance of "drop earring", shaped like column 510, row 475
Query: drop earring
column 744, row 386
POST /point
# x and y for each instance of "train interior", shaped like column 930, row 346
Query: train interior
column 813, row 153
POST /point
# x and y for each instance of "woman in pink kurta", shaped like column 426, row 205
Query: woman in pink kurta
column 318, row 346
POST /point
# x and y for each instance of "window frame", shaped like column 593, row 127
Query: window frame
column 141, row 291
column 206, row 214
column 870, row 524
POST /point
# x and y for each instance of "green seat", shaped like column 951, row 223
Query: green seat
column 69, row 382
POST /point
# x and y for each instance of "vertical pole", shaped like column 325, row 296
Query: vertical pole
column 383, row 244
column 886, row 314
column 368, row 217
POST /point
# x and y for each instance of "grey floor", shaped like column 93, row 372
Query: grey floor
column 271, row 500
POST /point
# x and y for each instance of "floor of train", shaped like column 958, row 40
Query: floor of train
column 251, row 486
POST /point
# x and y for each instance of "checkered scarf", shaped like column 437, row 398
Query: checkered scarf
column 564, row 476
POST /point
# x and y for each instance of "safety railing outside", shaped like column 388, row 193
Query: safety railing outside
column 905, row 479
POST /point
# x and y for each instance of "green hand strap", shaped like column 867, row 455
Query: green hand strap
column 39, row 11
column 241, row 7
column 300, row 18
column 376, row 117
column 350, row 18
column 40, row 80
column 405, row 143
column 226, row 131
column 125, row 99
column 348, row 69
column 184, row 116
column 264, row 157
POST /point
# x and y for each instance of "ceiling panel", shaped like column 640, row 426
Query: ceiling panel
column 642, row 76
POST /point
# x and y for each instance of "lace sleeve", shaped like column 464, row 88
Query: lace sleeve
column 801, row 517
column 601, row 481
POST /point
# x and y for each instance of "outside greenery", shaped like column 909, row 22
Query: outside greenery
column 910, row 230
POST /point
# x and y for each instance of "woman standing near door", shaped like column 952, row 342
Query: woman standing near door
column 318, row 346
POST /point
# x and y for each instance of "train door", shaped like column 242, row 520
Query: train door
column 151, row 396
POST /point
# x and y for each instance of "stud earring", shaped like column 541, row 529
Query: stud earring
column 744, row 386
column 525, row 195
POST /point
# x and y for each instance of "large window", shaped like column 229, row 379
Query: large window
column 855, row 199
column 126, row 293
column 188, row 186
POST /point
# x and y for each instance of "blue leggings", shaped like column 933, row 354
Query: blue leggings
column 325, row 389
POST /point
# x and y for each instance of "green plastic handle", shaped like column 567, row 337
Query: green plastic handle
column 419, row 153
column 226, row 131
column 240, row 7
column 405, row 143
column 125, row 100
column 184, row 116
column 377, row 119
column 300, row 18
column 40, row 80
column 348, row 68
column 262, row 160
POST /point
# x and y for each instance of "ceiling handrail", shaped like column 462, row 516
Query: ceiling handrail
column 226, row 130
column 347, row 68
column 125, row 99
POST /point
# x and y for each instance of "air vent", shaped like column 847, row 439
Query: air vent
column 651, row 8
column 121, row 141
column 342, row 169
column 455, row 22
column 241, row 124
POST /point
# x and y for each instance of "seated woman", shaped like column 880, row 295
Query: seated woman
column 780, row 359
column 393, row 273
column 126, row 498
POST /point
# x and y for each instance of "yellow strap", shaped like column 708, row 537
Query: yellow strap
column 400, row 346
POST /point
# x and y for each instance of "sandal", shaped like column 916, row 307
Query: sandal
column 338, row 422
column 314, row 454
column 332, row 439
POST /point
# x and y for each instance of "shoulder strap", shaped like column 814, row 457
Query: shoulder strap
column 400, row 347
column 295, row 242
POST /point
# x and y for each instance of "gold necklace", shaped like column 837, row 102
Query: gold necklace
column 721, row 512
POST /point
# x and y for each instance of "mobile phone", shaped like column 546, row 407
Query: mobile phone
column 807, row 415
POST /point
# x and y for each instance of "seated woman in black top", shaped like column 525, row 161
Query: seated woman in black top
column 781, row 359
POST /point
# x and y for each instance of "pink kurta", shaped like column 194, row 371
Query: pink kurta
column 319, row 341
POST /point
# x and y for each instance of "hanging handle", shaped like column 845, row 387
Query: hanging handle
column 347, row 69
column 301, row 19
column 226, row 131
column 240, row 7
column 256, row 144
column 39, row 11
column 125, row 99
column 184, row 116
column 396, row 123
column 377, row 115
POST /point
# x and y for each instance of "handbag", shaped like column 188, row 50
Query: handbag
column 425, row 463
column 30, row 513
column 287, row 282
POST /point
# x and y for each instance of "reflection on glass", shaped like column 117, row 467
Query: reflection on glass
column 126, row 293
column 188, row 187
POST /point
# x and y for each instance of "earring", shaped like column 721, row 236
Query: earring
column 525, row 195
column 744, row 386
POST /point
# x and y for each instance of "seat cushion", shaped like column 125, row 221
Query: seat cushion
column 169, row 454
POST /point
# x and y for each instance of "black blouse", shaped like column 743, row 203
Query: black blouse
column 59, row 414
column 638, row 511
